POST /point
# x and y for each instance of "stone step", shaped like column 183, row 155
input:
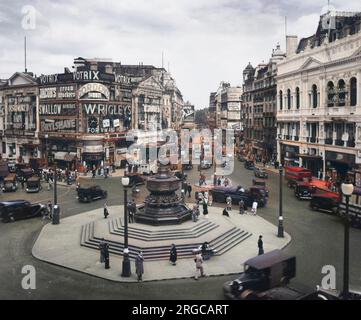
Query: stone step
column 237, row 240
column 192, row 233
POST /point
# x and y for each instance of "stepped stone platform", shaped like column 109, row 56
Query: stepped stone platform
column 74, row 243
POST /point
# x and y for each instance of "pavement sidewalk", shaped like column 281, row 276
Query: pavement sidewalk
column 60, row 245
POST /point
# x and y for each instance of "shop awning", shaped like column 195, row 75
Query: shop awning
column 64, row 156
column 309, row 156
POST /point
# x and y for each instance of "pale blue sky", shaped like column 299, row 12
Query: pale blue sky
column 204, row 41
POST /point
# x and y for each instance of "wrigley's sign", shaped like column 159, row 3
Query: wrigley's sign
column 103, row 109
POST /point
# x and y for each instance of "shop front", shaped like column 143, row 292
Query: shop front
column 290, row 155
column 93, row 155
column 312, row 162
column 340, row 166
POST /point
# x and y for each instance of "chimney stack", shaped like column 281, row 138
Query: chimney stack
column 291, row 45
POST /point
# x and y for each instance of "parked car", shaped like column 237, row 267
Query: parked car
column 205, row 165
column 89, row 194
column 19, row 209
column 249, row 165
column 135, row 179
column 296, row 174
column 325, row 201
column 303, row 190
column 261, row 273
column 187, row 166
column 33, row 185
column 260, row 173
column 239, row 193
column 10, row 183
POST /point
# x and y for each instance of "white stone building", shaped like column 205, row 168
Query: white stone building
column 319, row 98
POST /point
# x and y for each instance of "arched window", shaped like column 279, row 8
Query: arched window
column 353, row 92
column 281, row 100
column 297, row 98
column 331, row 94
column 288, row 99
column 341, row 93
column 314, row 96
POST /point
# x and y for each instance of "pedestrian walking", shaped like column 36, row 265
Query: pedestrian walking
column 199, row 265
column 132, row 207
column 205, row 207
column 241, row 207
column 195, row 213
column 189, row 189
column 219, row 181
column 50, row 209
column 22, row 182
column 93, row 173
column 173, row 255
column 225, row 212
column 229, row 203
column 183, row 196
column 101, row 248
column 260, row 246
column 139, row 267
column 254, row 207
column 106, row 255
column 106, row 212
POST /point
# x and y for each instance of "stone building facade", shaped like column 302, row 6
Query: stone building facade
column 319, row 98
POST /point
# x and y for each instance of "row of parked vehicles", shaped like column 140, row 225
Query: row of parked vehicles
column 11, row 183
column 321, row 197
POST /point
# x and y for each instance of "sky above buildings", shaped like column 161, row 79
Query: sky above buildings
column 203, row 42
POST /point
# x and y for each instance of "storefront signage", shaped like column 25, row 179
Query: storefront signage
column 57, row 109
column 342, row 157
column 67, row 125
column 87, row 75
column 61, row 92
column 103, row 109
column 87, row 91
column 19, row 108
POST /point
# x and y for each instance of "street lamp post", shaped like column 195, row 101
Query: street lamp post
column 56, row 208
column 347, row 190
column 126, row 270
column 46, row 150
column 280, row 233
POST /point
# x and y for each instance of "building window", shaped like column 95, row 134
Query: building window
column 314, row 96
column 281, row 100
column 288, row 99
column 353, row 92
column 297, row 98
column 331, row 94
column 341, row 93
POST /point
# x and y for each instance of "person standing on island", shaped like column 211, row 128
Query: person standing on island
column 260, row 246
column 139, row 267
column 173, row 255
column 106, row 212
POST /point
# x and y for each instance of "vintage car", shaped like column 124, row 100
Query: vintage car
column 20, row 209
column 326, row 201
column 135, row 179
column 10, row 183
column 303, row 190
column 261, row 273
column 24, row 174
column 33, row 184
column 249, row 165
column 205, row 165
column 260, row 173
column 239, row 193
column 296, row 174
column 187, row 166
column 88, row 194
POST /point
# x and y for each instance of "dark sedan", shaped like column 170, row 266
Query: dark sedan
column 20, row 209
column 260, row 173
column 239, row 193
column 91, row 193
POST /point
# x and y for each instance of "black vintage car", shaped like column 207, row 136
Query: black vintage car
column 261, row 273
column 187, row 166
column 260, row 173
column 249, row 165
column 239, row 193
column 91, row 193
column 325, row 201
column 33, row 184
column 20, row 209
column 10, row 183
column 135, row 179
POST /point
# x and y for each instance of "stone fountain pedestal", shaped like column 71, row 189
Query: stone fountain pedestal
column 163, row 206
